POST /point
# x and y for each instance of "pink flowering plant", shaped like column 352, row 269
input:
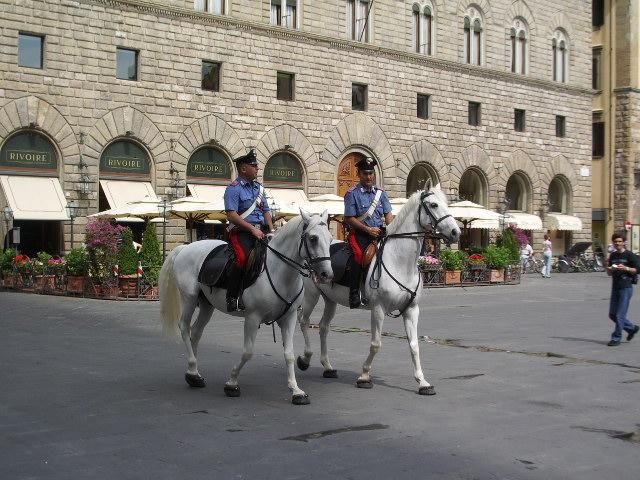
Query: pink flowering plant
column 427, row 262
column 102, row 246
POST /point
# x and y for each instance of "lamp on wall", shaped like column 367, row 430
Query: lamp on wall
column 165, row 205
column 175, row 183
column 503, row 206
column 84, row 182
column 7, row 216
column 72, row 209
column 545, row 208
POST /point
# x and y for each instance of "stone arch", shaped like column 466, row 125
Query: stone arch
column 519, row 9
column 129, row 123
column 558, row 165
column 519, row 161
column 422, row 151
column 476, row 157
column 288, row 139
column 30, row 112
column 560, row 21
column 356, row 131
column 482, row 5
column 209, row 130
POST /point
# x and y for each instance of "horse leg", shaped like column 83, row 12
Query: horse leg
column 251, row 324
column 377, row 317
column 311, row 297
column 327, row 315
column 411, row 328
column 205, row 310
column 192, row 377
column 287, row 328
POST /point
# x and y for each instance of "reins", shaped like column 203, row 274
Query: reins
column 374, row 281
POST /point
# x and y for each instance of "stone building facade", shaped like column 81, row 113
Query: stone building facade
column 76, row 102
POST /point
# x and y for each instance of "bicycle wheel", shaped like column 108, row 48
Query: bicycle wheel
column 563, row 266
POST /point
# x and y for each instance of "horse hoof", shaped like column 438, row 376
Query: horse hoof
column 330, row 374
column 232, row 390
column 302, row 364
column 427, row 390
column 300, row 399
column 195, row 381
column 364, row 384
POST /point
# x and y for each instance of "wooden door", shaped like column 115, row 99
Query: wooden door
column 347, row 178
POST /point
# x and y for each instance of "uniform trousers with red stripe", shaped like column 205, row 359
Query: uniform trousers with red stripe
column 242, row 242
column 358, row 241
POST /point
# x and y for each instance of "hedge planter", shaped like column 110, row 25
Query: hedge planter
column 497, row 275
column 9, row 281
column 75, row 284
column 128, row 285
column 45, row 282
column 452, row 277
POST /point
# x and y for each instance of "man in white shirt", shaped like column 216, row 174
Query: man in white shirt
column 525, row 252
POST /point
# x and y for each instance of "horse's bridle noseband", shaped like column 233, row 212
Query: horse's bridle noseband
column 310, row 261
column 434, row 221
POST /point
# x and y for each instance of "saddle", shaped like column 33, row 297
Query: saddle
column 218, row 263
column 341, row 255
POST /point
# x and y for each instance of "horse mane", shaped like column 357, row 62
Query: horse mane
column 293, row 224
column 411, row 207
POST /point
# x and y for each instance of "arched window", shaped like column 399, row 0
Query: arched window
column 30, row 150
column 559, row 195
column 518, row 192
column 422, row 29
column 284, row 13
column 124, row 158
column 560, row 57
column 473, row 37
column 209, row 165
column 418, row 176
column 473, row 187
column 283, row 170
column 519, row 47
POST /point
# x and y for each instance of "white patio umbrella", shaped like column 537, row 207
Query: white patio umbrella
column 192, row 210
column 472, row 215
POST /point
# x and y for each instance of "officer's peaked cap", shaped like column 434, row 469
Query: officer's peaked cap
column 250, row 159
column 366, row 164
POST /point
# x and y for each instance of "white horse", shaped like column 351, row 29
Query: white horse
column 275, row 296
column 392, row 284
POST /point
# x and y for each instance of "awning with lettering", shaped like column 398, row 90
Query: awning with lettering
column 203, row 191
column 120, row 192
column 559, row 221
column 34, row 198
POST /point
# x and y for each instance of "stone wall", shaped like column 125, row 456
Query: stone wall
column 166, row 103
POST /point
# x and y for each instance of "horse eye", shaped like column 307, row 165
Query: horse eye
column 433, row 205
column 313, row 239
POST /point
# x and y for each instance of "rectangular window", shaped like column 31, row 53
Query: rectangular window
column 284, row 13
column 597, row 10
column 474, row 113
column 358, row 97
column 212, row 6
column 597, row 145
column 561, row 126
column 596, row 69
column 358, row 21
column 210, row 76
column 424, row 106
column 30, row 50
column 519, row 120
column 126, row 64
column 285, row 86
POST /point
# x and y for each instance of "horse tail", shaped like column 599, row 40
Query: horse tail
column 170, row 301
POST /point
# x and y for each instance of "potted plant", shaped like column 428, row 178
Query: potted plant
column 128, row 266
column 102, row 249
column 476, row 261
column 6, row 267
column 498, row 258
column 151, row 259
column 452, row 262
column 77, row 265
column 23, row 267
column 44, row 279
column 428, row 263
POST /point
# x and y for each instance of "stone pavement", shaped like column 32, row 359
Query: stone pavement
column 526, row 388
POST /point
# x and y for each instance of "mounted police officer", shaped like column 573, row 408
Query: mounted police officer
column 365, row 208
column 248, row 214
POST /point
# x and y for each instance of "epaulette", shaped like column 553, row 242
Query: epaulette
column 352, row 189
column 234, row 183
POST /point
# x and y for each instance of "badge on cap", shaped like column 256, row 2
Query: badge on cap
column 366, row 164
column 250, row 158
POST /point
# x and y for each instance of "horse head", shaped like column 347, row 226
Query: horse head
column 434, row 203
column 316, row 240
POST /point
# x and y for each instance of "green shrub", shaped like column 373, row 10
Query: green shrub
column 150, row 254
column 127, row 255
column 452, row 259
column 497, row 257
column 40, row 262
column 77, row 261
column 6, row 261
column 509, row 241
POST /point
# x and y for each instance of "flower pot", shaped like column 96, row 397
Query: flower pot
column 45, row 282
column 75, row 284
column 452, row 277
column 497, row 275
column 128, row 285
column 9, row 281
column 150, row 292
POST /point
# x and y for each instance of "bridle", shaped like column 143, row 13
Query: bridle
column 305, row 269
column 431, row 229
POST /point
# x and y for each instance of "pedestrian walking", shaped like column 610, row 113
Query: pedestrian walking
column 623, row 268
column 547, row 254
column 525, row 252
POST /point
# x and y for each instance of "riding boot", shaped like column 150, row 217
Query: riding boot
column 354, row 285
column 234, row 285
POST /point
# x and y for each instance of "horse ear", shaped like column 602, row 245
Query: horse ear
column 427, row 185
column 437, row 187
column 325, row 216
column 306, row 218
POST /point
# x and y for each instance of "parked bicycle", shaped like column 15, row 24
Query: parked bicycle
column 575, row 260
column 532, row 264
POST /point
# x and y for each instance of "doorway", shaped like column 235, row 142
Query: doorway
column 347, row 178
